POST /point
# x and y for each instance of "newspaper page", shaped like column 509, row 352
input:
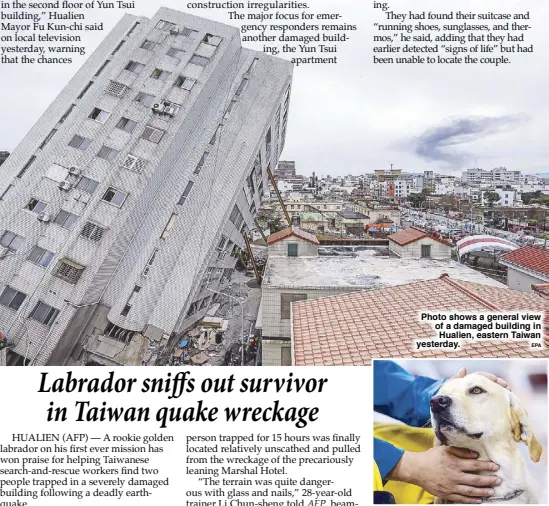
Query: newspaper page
column 196, row 194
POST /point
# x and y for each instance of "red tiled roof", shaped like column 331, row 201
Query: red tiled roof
column 408, row 236
column 292, row 231
column 411, row 235
column 353, row 328
column 530, row 258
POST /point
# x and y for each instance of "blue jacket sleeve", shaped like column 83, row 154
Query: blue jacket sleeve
column 386, row 456
column 400, row 395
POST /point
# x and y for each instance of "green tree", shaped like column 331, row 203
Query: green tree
column 492, row 197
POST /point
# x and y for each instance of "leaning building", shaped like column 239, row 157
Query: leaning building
column 124, row 204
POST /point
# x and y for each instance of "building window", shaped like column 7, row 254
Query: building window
column 175, row 52
column 134, row 164
column 93, row 231
column 102, row 68
column 165, row 25
column 186, row 193
column 150, row 262
column 108, row 153
column 85, row 90
column 215, row 136
column 48, row 138
column 152, row 134
column 44, row 314
column 212, row 40
column 286, row 300
column 425, row 251
column 185, row 83
column 80, row 142
column 201, row 61
column 12, row 298
column 115, row 88
column 148, row 45
column 132, row 29
column 36, row 206
column 87, row 185
column 127, row 125
column 129, row 304
column 253, row 64
column 145, row 99
column 168, row 226
column 69, row 271
column 27, row 165
column 114, row 197
column 11, row 241
column 3, row 196
column 292, row 249
column 229, row 109
column 285, row 356
column 115, row 332
column 66, row 115
column 135, row 67
column 236, row 217
column 161, row 75
column 201, row 163
column 99, row 115
column 66, row 219
column 117, row 48
column 191, row 34
column 15, row 360
column 242, row 86
column 40, row 256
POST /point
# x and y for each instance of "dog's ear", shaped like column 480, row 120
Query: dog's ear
column 521, row 428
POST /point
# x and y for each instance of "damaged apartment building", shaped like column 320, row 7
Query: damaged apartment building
column 122, row 206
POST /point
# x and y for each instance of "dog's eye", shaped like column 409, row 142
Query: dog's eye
column 476, row 390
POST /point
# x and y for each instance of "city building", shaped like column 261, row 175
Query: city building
column 122, row 206
column 498, row 175
column 285, row 170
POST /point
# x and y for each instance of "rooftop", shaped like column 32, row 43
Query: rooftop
column 411, row 235
column 530, row 258
column 370, row 269
column 292, row 231
column 353, row 328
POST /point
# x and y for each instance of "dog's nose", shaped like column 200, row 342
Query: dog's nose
column 440, row 403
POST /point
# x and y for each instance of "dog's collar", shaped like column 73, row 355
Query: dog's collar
column 507, row 497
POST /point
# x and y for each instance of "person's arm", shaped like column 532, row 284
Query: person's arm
column 401, row 395
column 449, row 473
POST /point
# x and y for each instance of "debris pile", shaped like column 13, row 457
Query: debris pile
column 201, row 344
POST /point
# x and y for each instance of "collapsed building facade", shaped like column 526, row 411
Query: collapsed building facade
column 122, row 208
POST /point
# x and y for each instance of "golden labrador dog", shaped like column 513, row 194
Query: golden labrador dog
column 476, row 413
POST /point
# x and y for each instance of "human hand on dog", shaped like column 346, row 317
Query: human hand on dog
column 501, row 382
column 446, row 472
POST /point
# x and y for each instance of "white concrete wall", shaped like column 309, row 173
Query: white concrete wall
column 304, row 248
column 272, row 352
column 439, row 251
column 517, row 280
column 273, row 325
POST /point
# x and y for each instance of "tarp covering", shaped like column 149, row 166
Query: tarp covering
column 483, row 243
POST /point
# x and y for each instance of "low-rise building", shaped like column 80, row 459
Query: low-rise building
column 416, row 243
column 526, row 267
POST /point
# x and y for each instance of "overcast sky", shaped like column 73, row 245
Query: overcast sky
column 355, row 117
